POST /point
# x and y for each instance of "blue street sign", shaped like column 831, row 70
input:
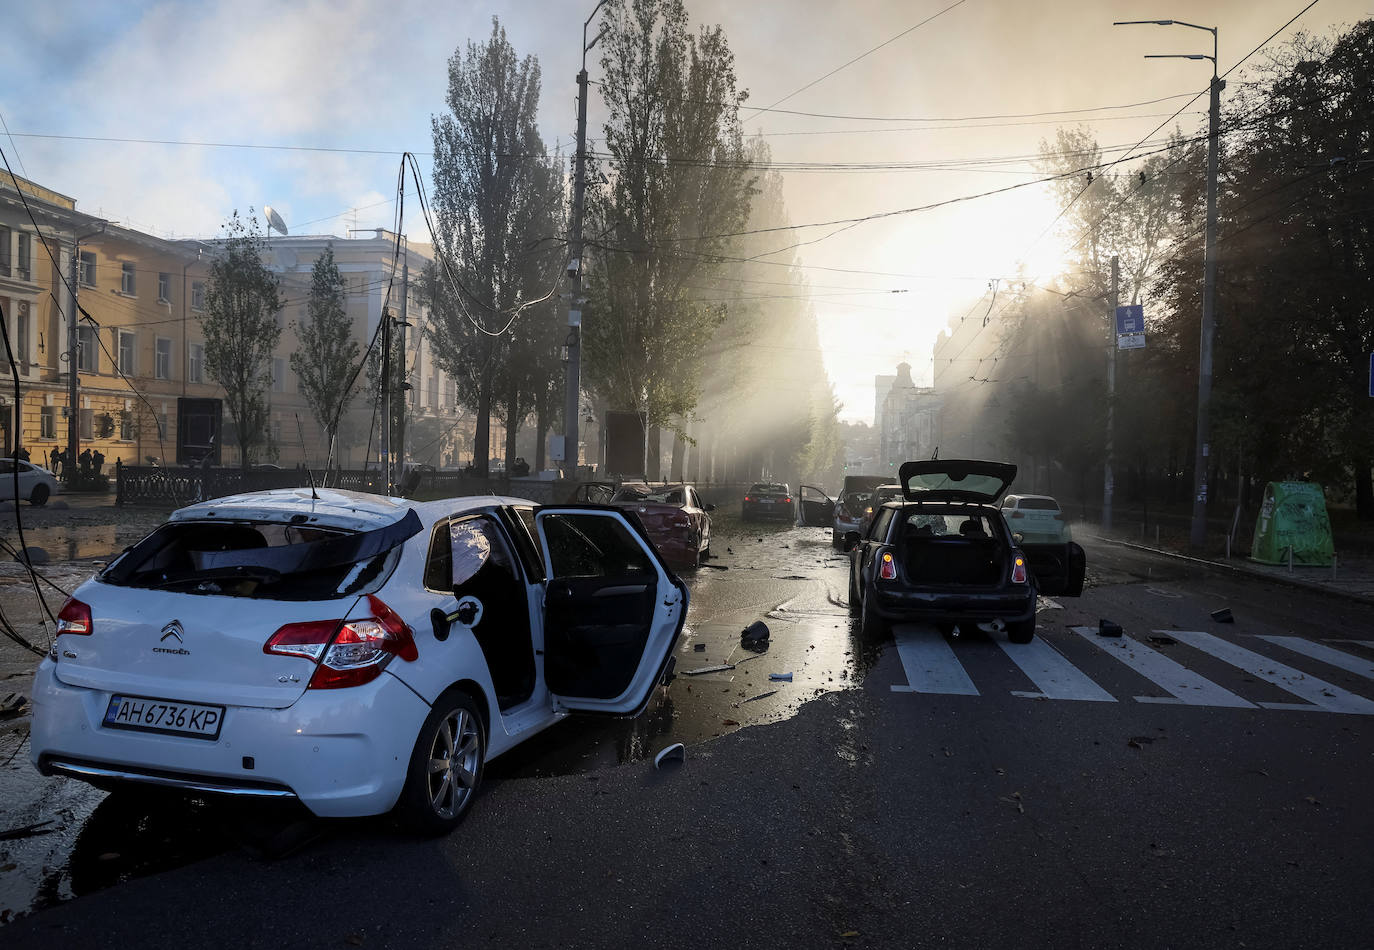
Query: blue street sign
column 1130, row 319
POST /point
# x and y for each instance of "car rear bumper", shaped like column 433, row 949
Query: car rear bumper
column 342, row 753
column 780, row 511
column 947, row 606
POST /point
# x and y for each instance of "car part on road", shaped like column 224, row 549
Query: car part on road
column 755, row 636
column 1223, row 615
column 677, row 752
column 780, row 677
column 1105, row 628
column 719, row 668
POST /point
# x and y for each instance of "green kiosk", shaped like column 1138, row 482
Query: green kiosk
column 1293, row 516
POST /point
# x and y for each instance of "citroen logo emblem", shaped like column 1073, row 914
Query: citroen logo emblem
column 173, row 629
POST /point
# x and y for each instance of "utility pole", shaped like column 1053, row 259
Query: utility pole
column 1202, row 451
column 73, row 364
column 386, row 402
column 572, row 395
column 1202, row 448
column 1108, row 485
column 405, row 371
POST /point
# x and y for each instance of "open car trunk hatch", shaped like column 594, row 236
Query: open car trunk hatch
column 956, row 480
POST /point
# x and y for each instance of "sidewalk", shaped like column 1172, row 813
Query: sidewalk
column 1352, row 578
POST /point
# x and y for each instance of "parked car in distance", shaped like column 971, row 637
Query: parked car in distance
column 359, row 654
column 845, row 513
column 1037, row 518
column 944, row 555
column 881, row 496
column 767, row 501
column 675, row 517
column 36, row 484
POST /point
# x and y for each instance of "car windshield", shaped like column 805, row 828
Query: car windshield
column 262, row 559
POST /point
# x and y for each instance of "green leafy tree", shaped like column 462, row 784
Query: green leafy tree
column 242, row 300
column 676, row 191
column 328, row 352
column 490, row 192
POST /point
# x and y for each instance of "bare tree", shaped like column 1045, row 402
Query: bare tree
column 324, row 363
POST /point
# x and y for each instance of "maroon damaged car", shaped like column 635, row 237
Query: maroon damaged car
column 675, row 517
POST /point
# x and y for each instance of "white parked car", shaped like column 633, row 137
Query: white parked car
column 36, row 484
column 357, row 653
column 1037, row 518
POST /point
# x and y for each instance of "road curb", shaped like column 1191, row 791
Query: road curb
column 1239, row 569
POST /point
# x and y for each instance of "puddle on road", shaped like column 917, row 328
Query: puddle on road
column 79, row 542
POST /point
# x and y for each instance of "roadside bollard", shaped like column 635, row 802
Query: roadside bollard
column 1290, row 559
column 1333, row 565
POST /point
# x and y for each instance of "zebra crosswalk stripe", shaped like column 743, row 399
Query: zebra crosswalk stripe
column 1183, row 685
column 1319, row 693
column 1345, row 661
column 1054, row 676
column 930, row 663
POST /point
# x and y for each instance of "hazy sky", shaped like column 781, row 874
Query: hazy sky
column 366, row 75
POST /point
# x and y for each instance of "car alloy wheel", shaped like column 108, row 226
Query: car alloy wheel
column 445, row 766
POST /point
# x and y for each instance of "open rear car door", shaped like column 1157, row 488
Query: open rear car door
column 1058, row 567
column 817, row 508
column 612, row 610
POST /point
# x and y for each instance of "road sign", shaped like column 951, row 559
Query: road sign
column 1130, row 319
column 1130, row 341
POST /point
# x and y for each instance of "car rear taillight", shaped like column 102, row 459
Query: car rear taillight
column 887, row 568
column 1018, row 569
column 787, row 500
column 347, row 652
column 74, row 618
column 747, row 498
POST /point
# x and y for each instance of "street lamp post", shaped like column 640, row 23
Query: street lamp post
column 1202, row 448
column 574, row 344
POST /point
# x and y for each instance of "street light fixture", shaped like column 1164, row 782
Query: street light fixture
column 1202, row 449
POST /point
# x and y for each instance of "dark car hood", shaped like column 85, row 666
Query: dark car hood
column 955, row 480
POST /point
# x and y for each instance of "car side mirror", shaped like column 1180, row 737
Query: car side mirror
column 1018, row 537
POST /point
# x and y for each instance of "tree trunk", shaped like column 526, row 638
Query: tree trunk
column 1364, row 489
column 481, row 440
column 541, row 428
column 679, row 454
column 653, row 453
column 513, row 416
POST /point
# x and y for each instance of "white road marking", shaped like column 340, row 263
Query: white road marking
column 930, row 663
column 1056, row 677
column 1183, row 685
column 1362, row 643
column 1321, row 694
column 1353, row 664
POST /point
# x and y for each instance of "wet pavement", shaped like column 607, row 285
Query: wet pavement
column 61, row 838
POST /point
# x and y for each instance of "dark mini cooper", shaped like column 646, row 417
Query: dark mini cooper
column 944, row 555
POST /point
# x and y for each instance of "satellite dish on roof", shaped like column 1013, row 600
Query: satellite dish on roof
column 274, row 220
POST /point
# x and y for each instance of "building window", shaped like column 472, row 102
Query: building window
column 86, row 272
column 86, row 347
column 434, row 392
column 276, row 428
column 25, row 256
column 126, row 426
column 47, row 422
column 164, row 288
column 127, row 351
column 87, row 424
column 163, row 360
column 5, row 241
column 126, row 278
column 21, row 333
column 195, row 363
column 278, row 375
column 197, row 295
column 162, row 422
column 450, row 394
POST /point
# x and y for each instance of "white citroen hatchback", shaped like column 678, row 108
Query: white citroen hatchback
column 354, row 652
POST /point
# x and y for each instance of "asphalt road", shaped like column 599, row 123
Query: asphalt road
column 918, row 792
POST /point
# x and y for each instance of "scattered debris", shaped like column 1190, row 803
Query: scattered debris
column 709, row 669
column 1163, row 641
column 11, row 704
column 1312, row 800
column 1140, row 742
column 780, row 677
column 1105, row 628
column 717, row 567
column 728, row 722
column 676, row 752
column 755, row 636
column 1223, row 615
column 27, row 831
column 699, row 647
column 771, row 692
